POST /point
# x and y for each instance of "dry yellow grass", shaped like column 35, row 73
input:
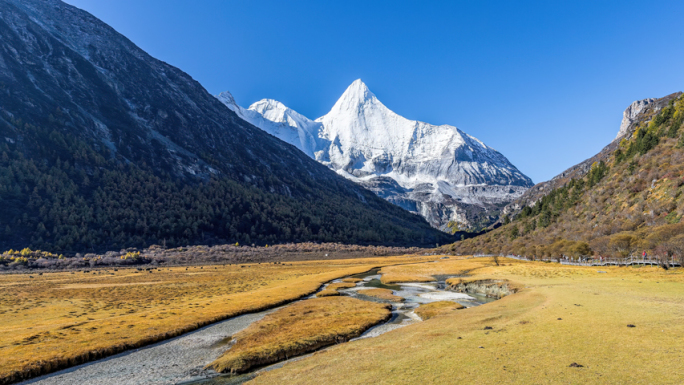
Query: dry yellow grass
column 433, row 309
column 300, row 328
column 492, row 288
column 385, row 294
column 421, row 272
column 561, row 315
column 56, row 320
column 328, row 293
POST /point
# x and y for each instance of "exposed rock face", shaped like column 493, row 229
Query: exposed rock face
column 440, row 172
column 631, row 113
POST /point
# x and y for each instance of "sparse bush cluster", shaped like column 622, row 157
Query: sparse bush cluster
column 30, row 259
column 271, row 253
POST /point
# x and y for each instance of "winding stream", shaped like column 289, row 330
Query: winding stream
column 414, row 294
column 181, row 360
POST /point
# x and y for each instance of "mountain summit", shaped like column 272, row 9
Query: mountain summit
column 355, row 95
column 440, row 172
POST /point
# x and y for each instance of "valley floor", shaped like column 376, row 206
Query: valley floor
column 52, row 321
column 566, row 324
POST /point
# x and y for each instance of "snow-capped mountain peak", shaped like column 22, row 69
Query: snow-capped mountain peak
column 277, row 119
column 355, row 95
column 437, row 171
column 277, row 112
column 356, row 101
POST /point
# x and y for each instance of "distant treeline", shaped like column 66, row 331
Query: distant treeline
column 19, row 260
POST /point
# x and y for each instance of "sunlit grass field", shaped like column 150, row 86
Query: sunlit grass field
column 56, row 320
column 433, row 309
column 566, row 324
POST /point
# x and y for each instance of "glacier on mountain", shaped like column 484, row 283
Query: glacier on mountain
column 439, row 172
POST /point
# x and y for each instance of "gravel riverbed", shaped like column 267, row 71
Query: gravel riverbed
column 177, row 360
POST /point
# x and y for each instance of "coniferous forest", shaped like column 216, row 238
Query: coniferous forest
column 104, row 147
column 58, row 193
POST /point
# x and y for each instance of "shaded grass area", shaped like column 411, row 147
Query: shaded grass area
column 352, row 280
column 332, row 289
column 433, row 309
column 385, row 294
column 561, row 315
column 341, row 285
column 57, row 320
column 300, row 328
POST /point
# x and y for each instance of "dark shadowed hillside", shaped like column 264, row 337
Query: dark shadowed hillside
column 103, row 146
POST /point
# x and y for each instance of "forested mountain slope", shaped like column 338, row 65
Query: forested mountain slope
column 627, row 200
column 638, row 112
column 103, row 146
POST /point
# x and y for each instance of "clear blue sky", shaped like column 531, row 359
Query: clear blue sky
column 543, row 82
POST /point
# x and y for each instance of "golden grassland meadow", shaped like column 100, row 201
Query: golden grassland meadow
column 332, row 289
column 55, row 320
column 563, row 324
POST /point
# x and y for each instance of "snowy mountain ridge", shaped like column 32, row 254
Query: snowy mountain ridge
column 440, row 172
